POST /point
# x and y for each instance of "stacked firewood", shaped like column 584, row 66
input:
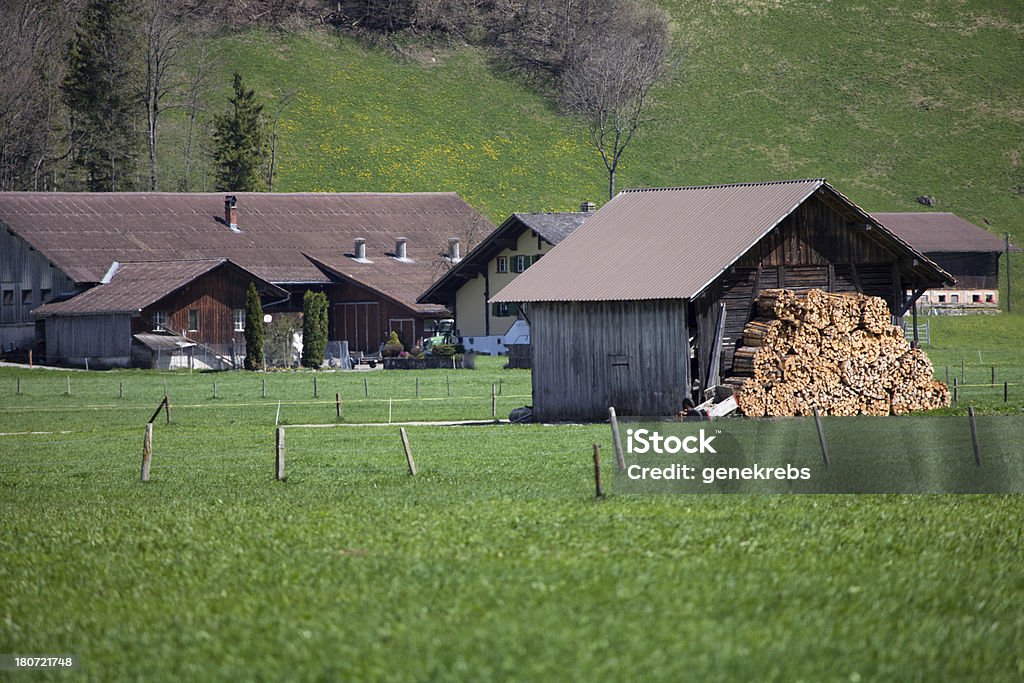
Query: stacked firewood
column 837, row 352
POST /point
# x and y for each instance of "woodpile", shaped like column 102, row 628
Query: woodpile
column 837, row 352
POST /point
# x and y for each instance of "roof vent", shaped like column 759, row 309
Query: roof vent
column 400, row 249
column 231, row 212
column 453, row 250
column 588, row 207
column 360, row 250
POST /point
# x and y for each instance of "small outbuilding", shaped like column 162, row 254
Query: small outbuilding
column 964, row 250
column 642, row 306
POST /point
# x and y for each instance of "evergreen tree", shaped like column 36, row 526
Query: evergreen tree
column 314, row 329
column 99, row 93
column 239, row 142
column 254, row 332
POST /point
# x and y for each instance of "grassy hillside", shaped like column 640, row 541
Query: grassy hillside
column 887, row 100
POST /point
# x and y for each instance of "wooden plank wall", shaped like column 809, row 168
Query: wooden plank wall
column 88, row 336
column 28, row 275
column 587, row 356
column 215, row 295
column 971, row 270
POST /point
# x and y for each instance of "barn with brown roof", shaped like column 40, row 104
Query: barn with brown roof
column 371, row 253
column 967, row 252
column 642, row 305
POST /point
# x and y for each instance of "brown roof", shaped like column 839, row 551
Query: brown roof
column 83, row 233
column 136, row 285
column 931, row 232
column 671, row 243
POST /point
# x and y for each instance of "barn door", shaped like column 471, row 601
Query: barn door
column 358, row 323
column 619, row 382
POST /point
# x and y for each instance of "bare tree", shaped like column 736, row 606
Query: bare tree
column 608, row 78
column 282, row 103
column 197, row 72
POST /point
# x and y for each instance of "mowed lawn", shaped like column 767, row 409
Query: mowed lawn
column 494, row 562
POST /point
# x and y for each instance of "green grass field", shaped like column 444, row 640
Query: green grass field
column 495, row 562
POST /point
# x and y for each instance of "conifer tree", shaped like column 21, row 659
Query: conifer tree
column 254, row 332
column 240, row 142
column 98, row 91
column 314, row 329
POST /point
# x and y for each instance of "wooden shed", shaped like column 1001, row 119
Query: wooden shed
column 642, row 306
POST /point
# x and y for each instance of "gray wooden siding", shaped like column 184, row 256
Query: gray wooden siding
column 24, row 277
column 589, row 355
column 88, row 336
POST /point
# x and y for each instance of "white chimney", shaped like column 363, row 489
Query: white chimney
column 400, row 252
column 453, row 250
column 587, row 207
column 360, row 250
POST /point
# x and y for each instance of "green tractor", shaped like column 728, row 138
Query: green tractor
column 442, row 333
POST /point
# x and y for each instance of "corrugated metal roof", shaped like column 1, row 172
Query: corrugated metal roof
column 134, row 286
column 82, row 233
column 671, row 243
column 155, row 341
column 662, row 243
column 930, row 232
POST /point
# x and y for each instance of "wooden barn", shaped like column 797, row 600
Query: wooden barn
column 156, row 314
column 641, row 307
column 964, row 250
column 373, row 254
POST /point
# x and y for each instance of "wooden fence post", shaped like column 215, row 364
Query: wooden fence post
column 167, row 408
column 494, row 403
column 69, row 384
column 315, row 394
column 366, row 388
column 159, row 407
column 147, row 451
column 215, row 390
column 993, row 375
column 598, row 491
column 408, row 452
column 337, row 404
column 448, row 379
column 954, row 391
column 30, row 359
column 1006, row 392
column 279, row 460
column 821, row 436
column 620, row 459
column 974, row 436
column 417, row 387
column 120, row 389
column 18, row 390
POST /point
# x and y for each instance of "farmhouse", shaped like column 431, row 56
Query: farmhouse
column 641, row 306
column 513, row 247
column 371, row 253
column 964, row 250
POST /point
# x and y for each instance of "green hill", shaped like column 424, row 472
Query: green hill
column 889, row 101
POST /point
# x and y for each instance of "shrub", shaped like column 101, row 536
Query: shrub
column 446, row 350
column 393, row 346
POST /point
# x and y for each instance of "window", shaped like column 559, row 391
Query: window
column 8, row 297
column 193, row 320
column 942, row 298
column 954, row 298
column 239, row 317
column 976, row 298
column 502, row 264
column 504, row 310
column 44, row 296
column 520, row 263
column 26, row 297
column 159, row 321
column 990, row 298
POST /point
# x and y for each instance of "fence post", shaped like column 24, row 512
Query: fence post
column 315, row 394
column 993, row 375
column 264, row 387
column 598, row 491
column 337, row 404
column 620, row 460
column 366, row 388
column 147, row 451
column 1006, row 392
column 69, row 384
column 18, row 390
column 494, row 403
column 215, row 390
column 974, row 436
column 417, row 387
column 821, row 436
column 448, row 379
column 167, row 408
column 408, row 452
column 954, row 391
column 120, row 389
column 279, row 461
